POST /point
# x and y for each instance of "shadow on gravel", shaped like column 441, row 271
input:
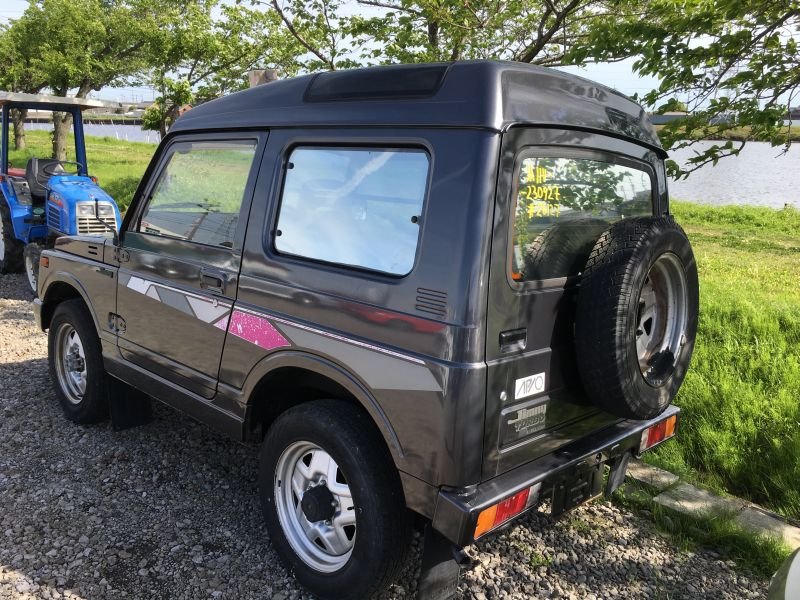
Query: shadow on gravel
column 170, row 510
column 14, row 286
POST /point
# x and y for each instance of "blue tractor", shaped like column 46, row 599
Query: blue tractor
column 48, row 198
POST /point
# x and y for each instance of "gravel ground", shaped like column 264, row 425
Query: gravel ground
column 169, row 510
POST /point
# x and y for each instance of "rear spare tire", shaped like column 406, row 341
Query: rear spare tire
column 636, row 317
column 562, row 249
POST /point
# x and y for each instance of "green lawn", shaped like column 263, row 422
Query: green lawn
column 118, row 165
column 741, row 399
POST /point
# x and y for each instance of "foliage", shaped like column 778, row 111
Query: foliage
column 736, row 62
column 81, row 45
column 741, row 425
column 203, row 49
column 411, row 31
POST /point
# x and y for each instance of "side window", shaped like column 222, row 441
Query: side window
column 199, row 192
column 358, row 207
column 562, row 205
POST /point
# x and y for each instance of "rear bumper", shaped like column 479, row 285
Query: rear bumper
column 456, row 512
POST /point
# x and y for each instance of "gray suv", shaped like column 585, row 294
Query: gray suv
column 437, row 295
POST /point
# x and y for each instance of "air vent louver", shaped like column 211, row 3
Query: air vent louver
column 432, row 302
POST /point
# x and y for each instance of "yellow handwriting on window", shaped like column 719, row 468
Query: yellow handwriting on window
column 534, row 174
column 551, row 193
column 539, row 208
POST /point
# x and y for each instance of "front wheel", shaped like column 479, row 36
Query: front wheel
column 332, row 500
column 76, row 363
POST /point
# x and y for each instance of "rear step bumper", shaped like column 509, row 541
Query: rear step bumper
column 456, row 512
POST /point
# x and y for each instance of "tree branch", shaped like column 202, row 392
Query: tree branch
column 300, row 38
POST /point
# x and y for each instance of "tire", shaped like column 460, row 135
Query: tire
column 10, row 246
column 31, row 255
column 76, row 363
column 636, row 316
column 361, row 465
column 562, row 250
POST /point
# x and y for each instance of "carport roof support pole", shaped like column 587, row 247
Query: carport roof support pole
column 80, row 141
column 4, row 151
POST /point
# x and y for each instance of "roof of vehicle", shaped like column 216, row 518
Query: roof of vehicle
column 483, row 93
column 49, row 102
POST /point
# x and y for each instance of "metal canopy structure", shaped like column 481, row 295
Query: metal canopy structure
column 49, row 102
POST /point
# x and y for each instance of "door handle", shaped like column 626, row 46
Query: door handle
column 513, row 339
column 213, row 281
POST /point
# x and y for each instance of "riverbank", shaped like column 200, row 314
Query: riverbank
column 738, row 134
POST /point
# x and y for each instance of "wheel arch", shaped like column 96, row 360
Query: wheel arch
column 289, row 378
column 62, row 287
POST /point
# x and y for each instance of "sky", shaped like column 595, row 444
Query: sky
column 616, row 75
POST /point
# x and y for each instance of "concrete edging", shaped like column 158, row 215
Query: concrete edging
column 687, row 499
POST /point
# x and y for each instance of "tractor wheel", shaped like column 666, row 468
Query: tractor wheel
column 31, row 256
column 10, row 247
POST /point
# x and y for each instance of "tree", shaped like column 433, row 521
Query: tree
column 19, row 74
column 81, row 45
column 735, row 62
column 204, row 49
column 408, row 31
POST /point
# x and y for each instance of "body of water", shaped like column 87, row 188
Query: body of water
column 761, row 175
column 129, row 133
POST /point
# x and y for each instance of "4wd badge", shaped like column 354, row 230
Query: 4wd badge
column 528, row 386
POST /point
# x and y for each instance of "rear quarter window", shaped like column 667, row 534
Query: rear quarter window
column 563, row 204
column 357, row 207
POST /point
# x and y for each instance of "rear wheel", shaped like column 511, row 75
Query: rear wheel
column 31, row 256
column 332, row 500
column 10, row 246
column 76, row 363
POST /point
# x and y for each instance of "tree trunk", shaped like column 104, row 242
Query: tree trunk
column 18, row 117
column 62, row 123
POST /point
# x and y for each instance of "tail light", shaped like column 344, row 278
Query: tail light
column 655, row 434
column 505, row 510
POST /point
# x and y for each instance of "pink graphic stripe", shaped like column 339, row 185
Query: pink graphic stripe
column 255, row 330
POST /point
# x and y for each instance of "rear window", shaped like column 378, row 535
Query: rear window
column 358, row 207
column 562, row 207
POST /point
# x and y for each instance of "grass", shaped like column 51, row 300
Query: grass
column 741, row 399
column 760, row 554
column 118, row 165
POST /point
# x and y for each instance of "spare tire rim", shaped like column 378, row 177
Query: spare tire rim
column 662, row 319
column 315, row 507
column 70, row 361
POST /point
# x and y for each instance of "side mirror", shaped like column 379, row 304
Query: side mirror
column 97, row 216
column 785, row 584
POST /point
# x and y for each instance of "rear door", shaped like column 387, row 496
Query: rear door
column 558, row 192
column 181, row 255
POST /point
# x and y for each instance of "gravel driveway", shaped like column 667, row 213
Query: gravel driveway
column 169, row 510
